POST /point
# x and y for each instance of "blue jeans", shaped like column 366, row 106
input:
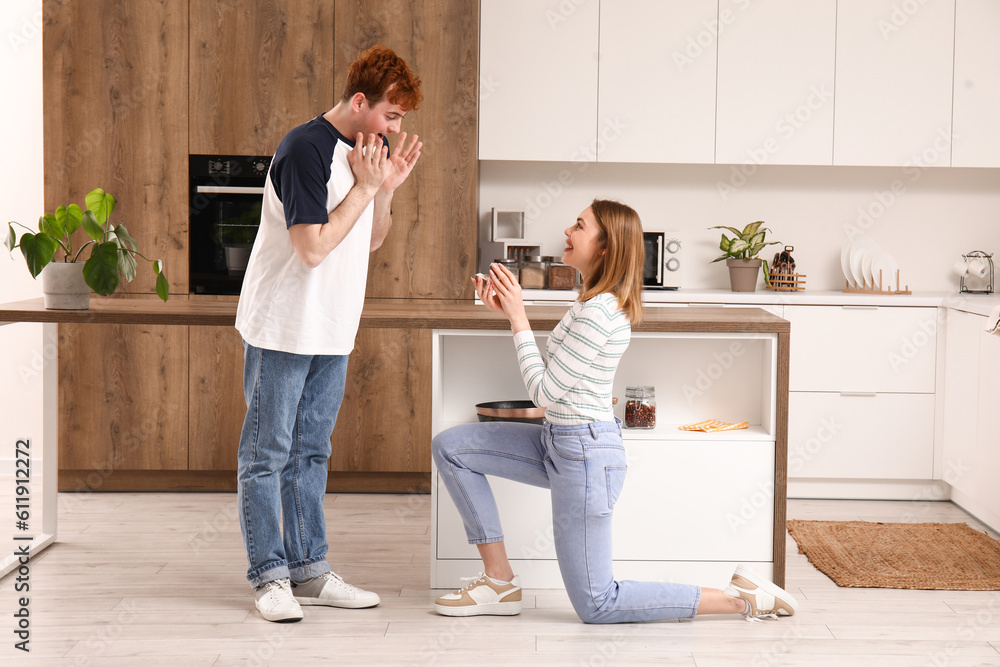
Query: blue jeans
column 292, row 405
column 584, row 467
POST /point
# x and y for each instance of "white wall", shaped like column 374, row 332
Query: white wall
column 21, row 175
column 934, row 215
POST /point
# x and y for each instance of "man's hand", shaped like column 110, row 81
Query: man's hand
column 401, row 164
column 370, row 165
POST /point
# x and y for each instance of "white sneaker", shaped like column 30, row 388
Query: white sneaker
column 275, row 602
column 482, row 597
column 330, row 590
column 763, row 597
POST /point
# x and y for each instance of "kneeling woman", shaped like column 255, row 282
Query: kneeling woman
column 577, row 448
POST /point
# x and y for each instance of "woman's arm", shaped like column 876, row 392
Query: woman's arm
column 577, row 357
column 582, row 342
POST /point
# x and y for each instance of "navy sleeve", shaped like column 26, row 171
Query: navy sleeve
column 300, row 176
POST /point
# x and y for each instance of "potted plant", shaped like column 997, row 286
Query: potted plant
column 740, row 253
column 67, row 284
column 236, row 236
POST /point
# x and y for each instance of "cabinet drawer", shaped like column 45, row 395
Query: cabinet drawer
column 884, row 436
column 862, row 349
column 666, row 510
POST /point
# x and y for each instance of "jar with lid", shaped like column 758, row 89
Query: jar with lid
column 561, row 276
column 511, row 264
column 640, row 407
column 533, row 270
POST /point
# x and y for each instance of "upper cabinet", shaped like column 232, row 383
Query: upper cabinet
column 821, row 82
column 538, row 80
column 894, row 82
column 116, row 117
column 775, row 82
column 254, row 75
column 657, row 81
column 976, row 138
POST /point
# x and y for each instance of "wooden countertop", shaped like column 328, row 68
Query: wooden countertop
column 389, row 313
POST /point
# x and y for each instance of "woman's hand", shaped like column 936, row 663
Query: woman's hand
column 506, row 292
column 484, row 290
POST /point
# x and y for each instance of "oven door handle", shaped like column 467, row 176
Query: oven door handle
column 230, row 189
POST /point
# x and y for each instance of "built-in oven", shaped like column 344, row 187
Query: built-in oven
column 225, row 196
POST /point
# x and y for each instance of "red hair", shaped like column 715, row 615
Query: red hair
column 379, row 71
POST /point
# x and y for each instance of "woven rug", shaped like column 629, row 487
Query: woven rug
column 929, row 556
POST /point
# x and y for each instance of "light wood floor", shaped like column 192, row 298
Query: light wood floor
column 158, row 579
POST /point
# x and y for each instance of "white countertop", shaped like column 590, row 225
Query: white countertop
column 979, row 304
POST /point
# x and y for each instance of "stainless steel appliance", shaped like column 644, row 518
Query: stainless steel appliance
column 662, row 269
column 225, row 197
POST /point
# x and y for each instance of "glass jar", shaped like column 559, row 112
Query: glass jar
column 533, row 270
column 511, row 264
column 640, row 407
column 561, row 276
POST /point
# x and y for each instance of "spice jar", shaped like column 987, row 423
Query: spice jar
column 561, row 276
column 533, row 270
column 640, row 407
column 511, row 264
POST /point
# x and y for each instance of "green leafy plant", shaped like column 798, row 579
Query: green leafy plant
column 113, row 251
column 745, row 244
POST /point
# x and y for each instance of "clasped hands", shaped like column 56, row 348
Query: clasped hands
column 373, row 167
column 501, row 293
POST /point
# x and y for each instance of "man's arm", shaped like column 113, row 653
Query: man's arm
column 382, row 219
column 311, row 242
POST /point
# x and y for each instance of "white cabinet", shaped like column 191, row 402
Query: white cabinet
column 971, row 429
column 976, row 141
column 776, row 82
column 537, row 80
column 961, row 398
column 862, row 392
column 863, row 348
column 987, row 461
column 694, row 505
column 663, row 476
column 657, row 81
column 866, row 436
column 894, row 82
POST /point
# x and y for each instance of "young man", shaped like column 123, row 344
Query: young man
column 326, row 207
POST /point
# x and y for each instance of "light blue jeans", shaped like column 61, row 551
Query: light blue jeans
column 292, row 405
column 584, row 467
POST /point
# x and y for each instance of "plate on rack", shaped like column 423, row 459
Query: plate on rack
column 845, row 261
column 885, row 263
column 861, row 247
column 867, row 257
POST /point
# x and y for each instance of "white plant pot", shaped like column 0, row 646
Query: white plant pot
column 63, row 287
column 237, row 259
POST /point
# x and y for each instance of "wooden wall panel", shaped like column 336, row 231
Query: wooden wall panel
column 123, row 397
column 385, row 421
column 431, row 250
column 216, row 391
column 116, row 117
column 258, row 69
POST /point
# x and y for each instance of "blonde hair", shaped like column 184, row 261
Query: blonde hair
column 619, row 269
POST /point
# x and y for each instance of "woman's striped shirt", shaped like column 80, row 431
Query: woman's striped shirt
column 583, row 354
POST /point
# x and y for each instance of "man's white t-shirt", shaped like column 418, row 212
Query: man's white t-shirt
column 284, row 305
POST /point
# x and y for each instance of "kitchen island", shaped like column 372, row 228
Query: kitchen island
column 762, row 349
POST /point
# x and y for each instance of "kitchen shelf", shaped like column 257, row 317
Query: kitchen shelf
column 671, row 432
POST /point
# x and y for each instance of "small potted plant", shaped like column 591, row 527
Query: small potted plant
column 236, row 236
column 740, row 253
column 67, row 284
